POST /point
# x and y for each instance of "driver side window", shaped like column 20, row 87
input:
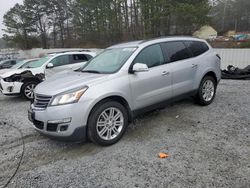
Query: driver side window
column 60, row 61
column 151, row 56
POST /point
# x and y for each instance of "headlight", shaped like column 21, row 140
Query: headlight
column 68, row 98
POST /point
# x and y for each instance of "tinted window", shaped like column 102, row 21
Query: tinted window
column 77, row 58
column 89, row 56
column 176, row 51
column 8, row 64
column 60, row 61
column 151, row 56
column 197, row 48
column 13, row 62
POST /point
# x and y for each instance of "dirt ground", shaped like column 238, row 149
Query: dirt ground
column 208, row 147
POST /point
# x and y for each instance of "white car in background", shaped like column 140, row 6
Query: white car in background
column 19, row 65
column 24, row 80
column 6, row 64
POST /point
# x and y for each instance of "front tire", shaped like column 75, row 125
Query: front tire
column 107, row 123
column 207, row 91
column 27, row 90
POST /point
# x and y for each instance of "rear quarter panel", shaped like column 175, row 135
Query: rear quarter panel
column 208, row 62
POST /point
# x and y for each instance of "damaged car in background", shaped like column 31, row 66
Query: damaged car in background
column 24, row 80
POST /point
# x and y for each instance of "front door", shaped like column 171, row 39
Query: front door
column 60, row 63
column 154, row 86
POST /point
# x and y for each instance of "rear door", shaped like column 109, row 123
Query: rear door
column 183, row 67
column 154, row 86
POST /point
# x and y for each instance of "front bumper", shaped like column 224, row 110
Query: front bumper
column 79, row 135
column 10, row 88
column 65, row 122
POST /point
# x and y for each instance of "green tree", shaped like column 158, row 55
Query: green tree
column 190, row 15
column 231, row 15
column 19, row 26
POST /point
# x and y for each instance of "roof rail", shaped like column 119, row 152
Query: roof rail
column 168, row 36
column 60, row 52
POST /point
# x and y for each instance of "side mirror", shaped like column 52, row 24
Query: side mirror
column 50, row 66
column 140, row 67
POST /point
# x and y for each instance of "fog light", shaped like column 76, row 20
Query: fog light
column 66, row 120
column 64, row 128
column 10, row 89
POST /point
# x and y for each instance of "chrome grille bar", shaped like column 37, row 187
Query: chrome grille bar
column 42, row 101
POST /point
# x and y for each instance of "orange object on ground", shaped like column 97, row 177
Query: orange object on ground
column 163, row 155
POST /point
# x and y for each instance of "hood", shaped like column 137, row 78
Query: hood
column 3, row 71
column 66, row 81
column 11, row 72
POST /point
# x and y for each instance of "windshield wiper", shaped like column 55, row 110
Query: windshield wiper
column 78, row 70
column 91, row 71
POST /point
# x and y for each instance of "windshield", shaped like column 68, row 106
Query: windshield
column 36, row 64
column 109, row 61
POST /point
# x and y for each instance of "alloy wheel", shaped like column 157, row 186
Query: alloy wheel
column 29, row 91
column 110, row 123
column 208, row 90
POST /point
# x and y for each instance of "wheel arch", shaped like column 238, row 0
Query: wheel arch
column 116, row 98
column 212, row 74
column 25, row 82
column 31, row 80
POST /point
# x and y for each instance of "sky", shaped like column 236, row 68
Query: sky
column 4, row 7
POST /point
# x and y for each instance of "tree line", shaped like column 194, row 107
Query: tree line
column 100, row 23
column 231, row 15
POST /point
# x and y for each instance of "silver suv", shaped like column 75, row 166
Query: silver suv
column 99, row 100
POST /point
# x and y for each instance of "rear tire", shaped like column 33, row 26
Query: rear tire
column 107, row 123
column 27, row 90
column 207, row 91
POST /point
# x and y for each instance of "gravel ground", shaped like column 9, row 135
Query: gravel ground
column 208, row 147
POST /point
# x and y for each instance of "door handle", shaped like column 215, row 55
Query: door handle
column 194, row 65
column 165, row 73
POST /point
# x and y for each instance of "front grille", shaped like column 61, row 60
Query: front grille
column 38, row 124
column 52, row 127
column 41, row 101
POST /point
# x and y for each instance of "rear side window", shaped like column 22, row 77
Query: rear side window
column 197, row 48
column 151, row 56
column 77, row 58
column 89, row 57
column 176, row 51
